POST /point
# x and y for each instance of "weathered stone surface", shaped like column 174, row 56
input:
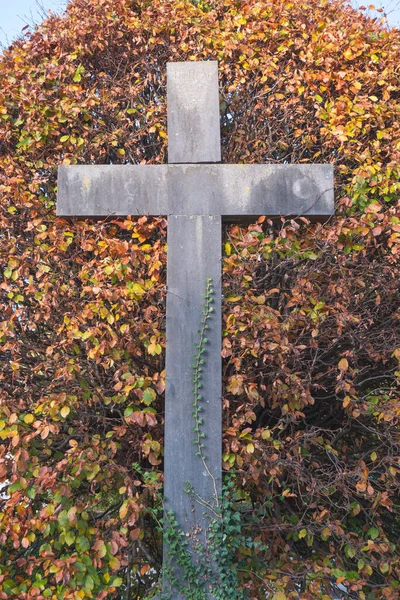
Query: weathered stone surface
column 193, row 112
column 232, row 191
column 194, row 254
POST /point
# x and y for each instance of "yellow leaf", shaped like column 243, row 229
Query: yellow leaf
column 302, row 533
column 326, row 532
column 123, row 511
column 29, row 419
column 396, row 354
column 93, row 472
column 239, row 461
column 266, row 434
column 279, row 596
column 343, row 364
column 250, row 448
column 233, row 298
column 373, row 456
column 235, row 385
column 102, row 550
column 138, row 289
column 64, row 412
column 154, row 349
column 114, row 563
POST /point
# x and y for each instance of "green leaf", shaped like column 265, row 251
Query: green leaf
column 78, row 74
column 69, row 538
column 89, row 583
column 31, row 493
column 350, row 552
column 373, row 533
column 82, row 543
column 149, row 396
column 24, row 142
column 14, row 487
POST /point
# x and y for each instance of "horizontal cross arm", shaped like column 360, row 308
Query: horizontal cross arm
column 234, row 192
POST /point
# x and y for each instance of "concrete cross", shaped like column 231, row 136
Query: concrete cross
column 197, row 195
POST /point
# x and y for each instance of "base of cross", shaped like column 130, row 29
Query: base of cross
column 177, row 596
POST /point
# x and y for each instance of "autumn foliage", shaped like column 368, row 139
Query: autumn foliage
column 311, row 343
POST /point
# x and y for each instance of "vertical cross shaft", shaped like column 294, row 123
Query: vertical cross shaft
column 194, row 255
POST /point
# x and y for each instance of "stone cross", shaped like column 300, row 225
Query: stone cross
column 197, row 195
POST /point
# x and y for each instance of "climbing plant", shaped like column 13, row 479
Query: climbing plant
column 311, row 336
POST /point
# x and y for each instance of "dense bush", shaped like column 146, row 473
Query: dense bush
column 311, row 343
